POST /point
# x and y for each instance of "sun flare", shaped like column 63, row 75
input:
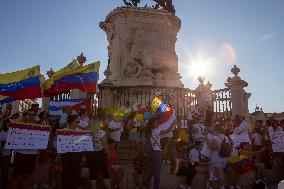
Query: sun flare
column 199, row 66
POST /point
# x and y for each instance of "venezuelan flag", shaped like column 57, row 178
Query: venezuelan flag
column 84, row 78
column 6, row 99
column 24, row 84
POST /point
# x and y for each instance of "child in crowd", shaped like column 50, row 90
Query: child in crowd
column 139, row 163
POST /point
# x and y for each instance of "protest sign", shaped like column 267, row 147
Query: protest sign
column 27, row 136
column 74, row 141
column 277, row 139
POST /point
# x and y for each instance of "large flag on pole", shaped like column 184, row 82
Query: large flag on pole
column 84, row 78
column 56, row 106
column 24, row 84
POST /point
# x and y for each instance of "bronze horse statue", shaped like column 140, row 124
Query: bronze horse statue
column 165, row 4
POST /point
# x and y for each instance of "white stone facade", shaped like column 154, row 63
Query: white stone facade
column 142, row 47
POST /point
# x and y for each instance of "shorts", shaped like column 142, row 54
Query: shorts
column 97, row 163
column 24, row 164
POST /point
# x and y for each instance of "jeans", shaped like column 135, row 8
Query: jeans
column 153, row 169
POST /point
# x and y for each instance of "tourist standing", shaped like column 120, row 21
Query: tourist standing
column 154, row 152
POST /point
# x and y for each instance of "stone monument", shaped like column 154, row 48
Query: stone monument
column 141, row 47
column 238, row 95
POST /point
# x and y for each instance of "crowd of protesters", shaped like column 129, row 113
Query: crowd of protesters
column 202, row 153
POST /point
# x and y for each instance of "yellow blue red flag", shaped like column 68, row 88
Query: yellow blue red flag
column 84, row 78
column 24, row 84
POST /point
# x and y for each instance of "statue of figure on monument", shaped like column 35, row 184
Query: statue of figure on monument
column 140, row 63
column 131, row 3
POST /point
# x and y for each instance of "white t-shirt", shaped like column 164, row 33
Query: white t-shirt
column 115, row 135
column 194, row 156
column 183, row 124
column 242, row 129
column 97, row 139
column 271, row 130
column 199, row 130
column 257, row 139
column 156, row 139
column 168, row 135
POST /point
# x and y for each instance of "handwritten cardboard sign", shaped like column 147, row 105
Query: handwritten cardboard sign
column 277, row 139
column 27, row 136
column 74, row 141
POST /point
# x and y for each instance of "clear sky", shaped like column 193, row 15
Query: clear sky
column 214, row 33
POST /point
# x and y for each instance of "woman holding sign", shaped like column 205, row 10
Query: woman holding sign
column 24, row 160
column 97, row 160
column 71, row 162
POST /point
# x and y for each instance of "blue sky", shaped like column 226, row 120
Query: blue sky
column 250, row 33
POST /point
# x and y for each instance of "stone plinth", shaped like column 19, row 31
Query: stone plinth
column 142, row 47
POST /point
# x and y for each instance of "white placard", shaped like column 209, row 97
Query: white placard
column 74, row 141
column 27, row 137
column 238, row 139
column 277, row 139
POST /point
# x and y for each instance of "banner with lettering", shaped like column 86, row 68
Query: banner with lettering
column 27, row 136
column 277, row 139
column 74, row 141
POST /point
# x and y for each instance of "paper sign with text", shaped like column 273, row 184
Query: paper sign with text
column 26, row 136
column 74, row 141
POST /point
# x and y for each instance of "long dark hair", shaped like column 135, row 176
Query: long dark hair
column 151, row 124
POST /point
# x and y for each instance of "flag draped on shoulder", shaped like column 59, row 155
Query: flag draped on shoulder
column 84, row 78
column 24, row 84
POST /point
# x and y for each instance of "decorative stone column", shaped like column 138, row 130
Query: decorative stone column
column 239, row 96
column 204, row 98
column 106, row 92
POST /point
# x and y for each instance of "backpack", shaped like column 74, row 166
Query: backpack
column 226, row 149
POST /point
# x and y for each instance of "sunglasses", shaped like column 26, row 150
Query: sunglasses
column 31, row 114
